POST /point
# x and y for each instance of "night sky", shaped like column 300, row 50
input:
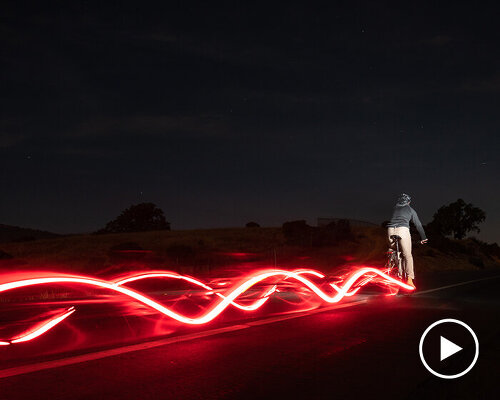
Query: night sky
column 246, row 111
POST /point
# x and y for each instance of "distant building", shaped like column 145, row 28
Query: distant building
column 352, row 222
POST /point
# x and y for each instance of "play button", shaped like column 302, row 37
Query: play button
column 449, row 348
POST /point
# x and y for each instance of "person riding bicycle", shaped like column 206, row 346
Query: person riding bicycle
column 399, row 225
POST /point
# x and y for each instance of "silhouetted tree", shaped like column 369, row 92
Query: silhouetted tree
column 252, row 224
column 138, row 218
column 456, row 219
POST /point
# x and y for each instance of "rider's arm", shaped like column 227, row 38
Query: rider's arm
column 418, row 224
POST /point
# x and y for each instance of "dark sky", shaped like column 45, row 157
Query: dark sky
column 246, row 111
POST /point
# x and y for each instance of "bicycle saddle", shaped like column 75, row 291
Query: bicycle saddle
column 395, row 237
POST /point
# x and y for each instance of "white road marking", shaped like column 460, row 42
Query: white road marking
column 455, row 285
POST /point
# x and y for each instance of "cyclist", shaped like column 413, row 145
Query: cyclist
column 399, row 225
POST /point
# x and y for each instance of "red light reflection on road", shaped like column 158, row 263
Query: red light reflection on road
column 231, row 295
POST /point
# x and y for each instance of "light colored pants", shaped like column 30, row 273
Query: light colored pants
column 404, row 248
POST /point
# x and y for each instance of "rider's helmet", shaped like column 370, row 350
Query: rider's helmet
column 403, row 199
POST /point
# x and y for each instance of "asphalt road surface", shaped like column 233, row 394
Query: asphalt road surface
column 362, row 350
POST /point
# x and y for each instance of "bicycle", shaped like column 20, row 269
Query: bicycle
column 394, row 265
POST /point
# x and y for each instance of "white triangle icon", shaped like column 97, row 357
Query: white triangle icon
column 448, row 348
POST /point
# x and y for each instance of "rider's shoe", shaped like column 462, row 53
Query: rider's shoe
column 410, row 282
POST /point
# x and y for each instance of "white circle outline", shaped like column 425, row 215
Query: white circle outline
column 421, row 344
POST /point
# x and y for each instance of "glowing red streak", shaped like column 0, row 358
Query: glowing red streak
column 40, row 329
column 251, row 307
column 133, row 278
column 212, row 311
column 32, row 334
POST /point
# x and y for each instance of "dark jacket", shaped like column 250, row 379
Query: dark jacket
column 402, row 215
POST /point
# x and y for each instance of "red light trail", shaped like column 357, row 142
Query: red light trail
column 345, row 286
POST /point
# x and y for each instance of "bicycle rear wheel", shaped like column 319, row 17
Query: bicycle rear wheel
column 392, row 265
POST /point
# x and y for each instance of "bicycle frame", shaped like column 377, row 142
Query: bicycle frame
column 394, row 262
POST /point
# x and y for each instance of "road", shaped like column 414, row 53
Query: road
column 368, row 349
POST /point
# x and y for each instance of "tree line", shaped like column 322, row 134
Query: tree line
column 455, row 220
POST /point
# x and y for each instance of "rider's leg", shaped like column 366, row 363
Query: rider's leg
column 406, row 250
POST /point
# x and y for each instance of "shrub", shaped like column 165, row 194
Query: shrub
column 252, row 224
column 138, row 218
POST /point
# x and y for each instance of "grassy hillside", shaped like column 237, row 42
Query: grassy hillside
column 9, row 233
column 200, row 251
